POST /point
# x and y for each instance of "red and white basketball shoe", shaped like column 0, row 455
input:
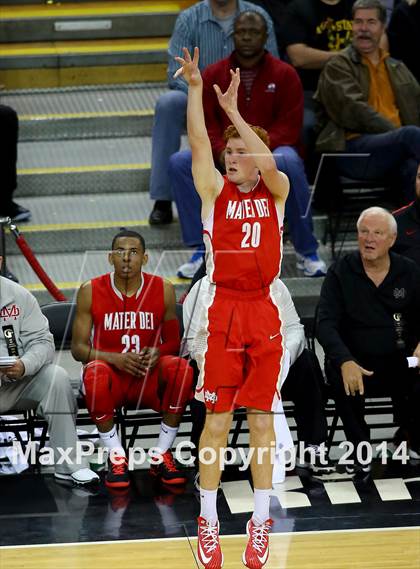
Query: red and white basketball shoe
column 208, row 545
column 256, row 553
column 117, row 475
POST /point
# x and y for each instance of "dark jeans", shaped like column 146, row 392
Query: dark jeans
column 391, row 378
column 303, row 386
column 393, row 154
column 9, row 135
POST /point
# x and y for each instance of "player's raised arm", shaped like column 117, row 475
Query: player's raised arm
column 276, row 182
column 208, row 181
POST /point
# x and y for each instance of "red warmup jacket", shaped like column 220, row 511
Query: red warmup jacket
column 276, row 101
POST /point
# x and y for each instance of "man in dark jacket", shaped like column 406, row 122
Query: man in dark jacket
column 369, row 327
column 370, row 103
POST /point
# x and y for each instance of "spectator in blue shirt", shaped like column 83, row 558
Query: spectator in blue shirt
column 208, row 25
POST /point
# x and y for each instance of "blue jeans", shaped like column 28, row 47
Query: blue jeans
column 309, row 121
column 168, row 126
column 392, row 154
column 297, row 211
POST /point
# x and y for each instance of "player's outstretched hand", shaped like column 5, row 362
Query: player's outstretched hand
column 229, row 100
column 129, row 362
column 189, row 67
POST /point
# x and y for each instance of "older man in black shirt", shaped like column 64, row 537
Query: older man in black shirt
column 369, row 327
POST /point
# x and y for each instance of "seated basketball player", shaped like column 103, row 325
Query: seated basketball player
column 127, row 334
column 241, row 329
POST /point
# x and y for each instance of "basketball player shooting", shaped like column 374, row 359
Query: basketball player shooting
column 127, row 334
column 241, row 328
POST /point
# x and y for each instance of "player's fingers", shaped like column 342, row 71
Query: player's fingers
column 196, row 55
column 187, row 55
column 360, row 386
column 133, row 365
column 130, row 366
column 218, row 91
column 178, row 73
column 365, row 371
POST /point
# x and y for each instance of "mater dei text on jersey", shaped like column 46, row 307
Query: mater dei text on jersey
column 247, row 208
column 129, row 320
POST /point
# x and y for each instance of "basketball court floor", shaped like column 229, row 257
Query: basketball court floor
column 333, row 523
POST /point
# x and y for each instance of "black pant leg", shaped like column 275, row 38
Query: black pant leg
column 403, row 385
column 9, row 127
column 350, row 409
column 304, row 386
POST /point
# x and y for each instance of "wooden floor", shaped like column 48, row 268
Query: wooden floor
column 373, row 549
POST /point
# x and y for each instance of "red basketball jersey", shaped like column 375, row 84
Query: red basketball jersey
column 243, row 238
column 126, row 324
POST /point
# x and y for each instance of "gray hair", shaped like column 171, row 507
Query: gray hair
column 370, row 5
column 392, row 224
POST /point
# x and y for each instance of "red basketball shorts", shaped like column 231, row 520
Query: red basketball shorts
column 239, row 347
column 167, row 387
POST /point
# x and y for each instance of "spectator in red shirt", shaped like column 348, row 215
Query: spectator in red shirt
column 270, row 95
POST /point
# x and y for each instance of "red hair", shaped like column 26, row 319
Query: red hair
column 231, row 132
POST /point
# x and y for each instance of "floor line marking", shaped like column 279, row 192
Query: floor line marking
column 241, row 535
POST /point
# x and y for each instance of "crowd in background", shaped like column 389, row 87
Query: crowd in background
column 320, row 76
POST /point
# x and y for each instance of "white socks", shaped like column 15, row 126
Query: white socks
column 112, row 442
column 208, row 505
column 166, row 437
column 261, row 506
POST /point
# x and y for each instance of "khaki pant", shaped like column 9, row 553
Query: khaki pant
column 49, row 393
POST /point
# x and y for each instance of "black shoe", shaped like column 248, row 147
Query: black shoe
column 18, row 213
column 117, row 475
column 358, row 471
column 315, row 459
column 161, row 213
column 167, row 471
